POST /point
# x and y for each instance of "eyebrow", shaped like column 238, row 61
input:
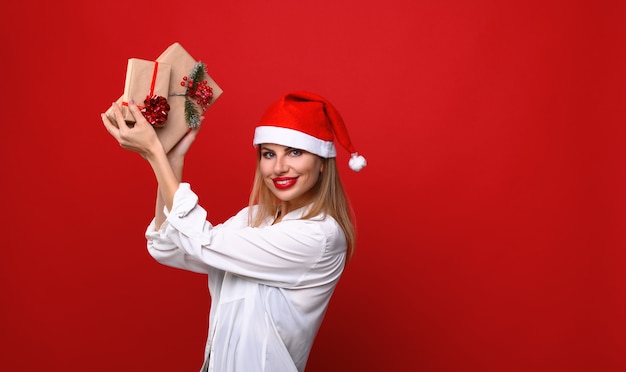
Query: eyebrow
column 287, row 149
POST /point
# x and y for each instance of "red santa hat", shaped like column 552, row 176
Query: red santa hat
column 308, row 122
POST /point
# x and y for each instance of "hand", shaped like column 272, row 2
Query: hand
column 182, row 147
column 176, row 155
column 141, row 138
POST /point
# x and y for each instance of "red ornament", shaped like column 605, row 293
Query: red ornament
column 201, row 92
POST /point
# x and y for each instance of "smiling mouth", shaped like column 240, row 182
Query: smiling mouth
column 282, row 183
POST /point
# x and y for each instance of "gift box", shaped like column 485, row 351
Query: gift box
column 191, row 92
column 144, row 80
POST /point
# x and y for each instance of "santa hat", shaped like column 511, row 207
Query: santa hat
column 307, row 122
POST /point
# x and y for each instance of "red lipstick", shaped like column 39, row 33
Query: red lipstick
column 283, row 183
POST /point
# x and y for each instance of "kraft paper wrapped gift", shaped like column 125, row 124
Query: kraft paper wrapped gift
column 178, row 123
column 144, row 79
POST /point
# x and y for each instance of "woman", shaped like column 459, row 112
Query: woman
column 272, row 267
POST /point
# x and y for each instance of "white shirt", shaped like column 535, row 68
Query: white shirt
column 269, row 285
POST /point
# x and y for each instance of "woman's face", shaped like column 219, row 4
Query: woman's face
column 290, row 173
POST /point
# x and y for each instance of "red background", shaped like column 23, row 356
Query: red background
column 491, row 215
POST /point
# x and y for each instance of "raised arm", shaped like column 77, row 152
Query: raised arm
column 176, row 158
column 142, row 139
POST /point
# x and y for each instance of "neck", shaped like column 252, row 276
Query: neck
column 283, row 209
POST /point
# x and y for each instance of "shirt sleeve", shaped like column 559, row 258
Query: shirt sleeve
column 166, row 252
column 282, row 255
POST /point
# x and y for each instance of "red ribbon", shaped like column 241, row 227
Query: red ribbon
column 154, row 76
column 152, row 83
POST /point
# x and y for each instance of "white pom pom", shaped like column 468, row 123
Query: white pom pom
column 357, row 162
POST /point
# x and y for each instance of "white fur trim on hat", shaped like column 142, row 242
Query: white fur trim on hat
column 295, row 139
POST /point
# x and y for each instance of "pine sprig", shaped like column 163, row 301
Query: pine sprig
column 196, row 75
column 192, row 116
column 198, row 94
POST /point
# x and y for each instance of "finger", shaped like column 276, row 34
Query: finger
column 194, row 131
column 119, row 117
column 136, row 112
column 110, row 127
column 120, row 122
column 191, row 134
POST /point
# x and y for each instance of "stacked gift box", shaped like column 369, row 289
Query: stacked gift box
column 172, row 91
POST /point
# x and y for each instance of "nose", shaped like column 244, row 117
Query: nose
column 281, row 166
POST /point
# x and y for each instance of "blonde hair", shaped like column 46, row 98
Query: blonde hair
column 330, row 199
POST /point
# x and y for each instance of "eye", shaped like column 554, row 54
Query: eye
column 267, row 154
column 295, row 152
